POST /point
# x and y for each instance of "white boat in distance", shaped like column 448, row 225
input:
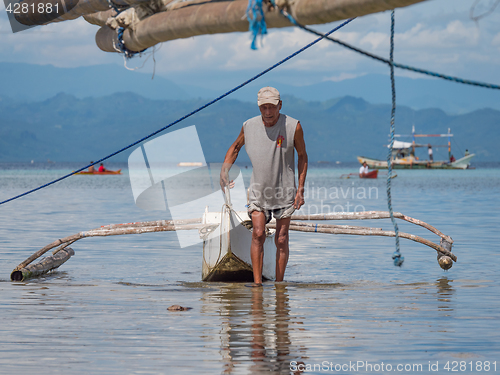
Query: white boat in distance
column 403, row 156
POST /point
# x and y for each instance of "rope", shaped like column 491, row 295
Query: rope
column 398, row 258
column 185, row 116
column 385, row 61
column 127, row 54
column 256, row 20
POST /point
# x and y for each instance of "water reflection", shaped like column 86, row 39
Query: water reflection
column 257, row 329
column 445, row 293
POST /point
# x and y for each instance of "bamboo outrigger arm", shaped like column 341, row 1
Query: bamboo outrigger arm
column 364, row 231
column 110, row 230
column 63, row 252
column 371, row 215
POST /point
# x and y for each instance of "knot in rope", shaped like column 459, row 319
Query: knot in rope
column 120, row 45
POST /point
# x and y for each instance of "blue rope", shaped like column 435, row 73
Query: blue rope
column 120, row 42
column 185, row 116
column 388, row 62
column 121, row 45
column 256, row 20
column 398, row 258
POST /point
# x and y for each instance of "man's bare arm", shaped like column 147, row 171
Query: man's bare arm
column 300, row 146
column 230, row 158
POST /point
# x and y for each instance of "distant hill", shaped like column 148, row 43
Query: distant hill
column 66, row 128
column 40, row 82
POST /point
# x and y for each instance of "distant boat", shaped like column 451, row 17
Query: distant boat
column 119, row 171
column 371, row 174
column 403, row 156
column 190, row 164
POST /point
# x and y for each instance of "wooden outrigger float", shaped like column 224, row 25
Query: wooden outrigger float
column 145, row 23
column 226, row 237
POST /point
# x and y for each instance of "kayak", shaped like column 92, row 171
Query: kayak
column 371, row 174
column 119, row 171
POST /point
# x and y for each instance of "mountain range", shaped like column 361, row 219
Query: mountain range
column 67, row 128
column 40, row 82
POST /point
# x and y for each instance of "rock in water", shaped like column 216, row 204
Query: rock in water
column 178, row 308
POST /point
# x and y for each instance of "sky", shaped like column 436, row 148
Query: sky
column 438, row 35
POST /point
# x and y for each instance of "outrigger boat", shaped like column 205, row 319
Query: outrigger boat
column 119, row 171
column 227, row 236
column 403, row 156
column 371, row 174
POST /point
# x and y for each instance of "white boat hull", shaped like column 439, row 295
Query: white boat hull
column 226, row 249
column 410, row 163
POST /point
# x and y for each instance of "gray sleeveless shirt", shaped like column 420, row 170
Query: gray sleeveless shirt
column 271, row 151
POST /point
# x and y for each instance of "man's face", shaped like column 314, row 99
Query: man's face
column 270, row 113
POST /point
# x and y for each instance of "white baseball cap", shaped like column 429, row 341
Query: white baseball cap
column 268, row 95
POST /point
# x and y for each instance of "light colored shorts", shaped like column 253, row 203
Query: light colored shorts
column 278, row 213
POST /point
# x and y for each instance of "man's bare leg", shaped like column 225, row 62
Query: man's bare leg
column 257, row 246
column 282, row 251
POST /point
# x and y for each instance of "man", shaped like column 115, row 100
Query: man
column 429, row 150
column 270, row 140
column 101, row 168
column 363, row 170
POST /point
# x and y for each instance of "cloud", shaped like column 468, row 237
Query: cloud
column 454, row 35
column 433, row 35
column 62, row 44
column 496, row 40
column 342, row 76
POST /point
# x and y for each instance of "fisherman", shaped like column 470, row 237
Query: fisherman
column 91, row 168
column 467, row 152
column 363, row 170
column 270, row 140
column 429, row 150
column 101, row 168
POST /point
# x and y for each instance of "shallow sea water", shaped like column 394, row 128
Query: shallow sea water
column 343, row 308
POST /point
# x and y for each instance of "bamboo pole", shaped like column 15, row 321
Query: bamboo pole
column 369, row 232
column 371, row 215
column 229, row 16
column 116, row 229
column 315, row 225
column 45, row 265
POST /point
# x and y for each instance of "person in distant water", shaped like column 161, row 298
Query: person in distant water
column 91, row 168
column 102, row 169
column 270, row 141
column 467, row 153
column 429, row 150
column 363, row 170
